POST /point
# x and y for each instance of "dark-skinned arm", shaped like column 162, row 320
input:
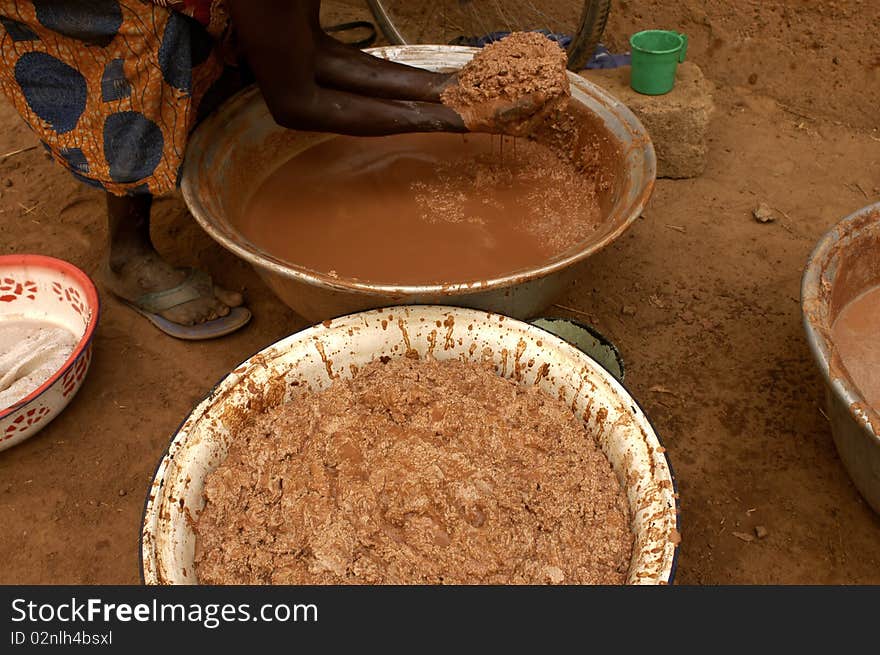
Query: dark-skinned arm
column 307, row 83
column 342, row 66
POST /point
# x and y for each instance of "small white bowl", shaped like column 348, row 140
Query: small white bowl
column 314, row 358
column 45, row 289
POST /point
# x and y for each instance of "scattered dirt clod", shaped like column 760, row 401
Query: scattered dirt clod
column 764, row 213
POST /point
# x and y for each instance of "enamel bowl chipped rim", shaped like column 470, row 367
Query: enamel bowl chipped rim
column 37, row 287
column 314, row 358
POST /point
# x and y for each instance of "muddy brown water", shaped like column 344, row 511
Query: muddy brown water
column 856, row 336
column 421, row 208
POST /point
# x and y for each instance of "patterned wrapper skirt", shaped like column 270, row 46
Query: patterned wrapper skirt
column 113, row 88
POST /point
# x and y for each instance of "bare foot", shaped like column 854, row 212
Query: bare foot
column 133, row 276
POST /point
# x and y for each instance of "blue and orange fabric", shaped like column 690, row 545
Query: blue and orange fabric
column 113, row 88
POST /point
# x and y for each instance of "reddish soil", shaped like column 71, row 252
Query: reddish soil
column 715, row 350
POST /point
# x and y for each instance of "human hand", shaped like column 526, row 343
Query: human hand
column 513, row 118
column 311, row 81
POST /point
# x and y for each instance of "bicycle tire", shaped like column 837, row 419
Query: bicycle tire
column 593, row 22
column 594, row 18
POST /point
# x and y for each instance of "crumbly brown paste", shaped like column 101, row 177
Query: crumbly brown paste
column 554, row 202
column 510, row 84
column 415, row 472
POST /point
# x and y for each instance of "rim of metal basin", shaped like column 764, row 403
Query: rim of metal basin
column 814, row 309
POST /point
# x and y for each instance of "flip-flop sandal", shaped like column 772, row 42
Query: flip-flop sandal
column 197, row 285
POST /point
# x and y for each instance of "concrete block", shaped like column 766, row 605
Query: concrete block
column 678, row 122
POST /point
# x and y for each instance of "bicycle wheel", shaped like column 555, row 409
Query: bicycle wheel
column 446, row 21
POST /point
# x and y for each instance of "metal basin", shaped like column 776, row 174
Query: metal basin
column 232, row 152
column 845, row 263
column 314, row 358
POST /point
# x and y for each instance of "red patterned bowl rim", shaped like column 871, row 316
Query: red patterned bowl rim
column 94, row 303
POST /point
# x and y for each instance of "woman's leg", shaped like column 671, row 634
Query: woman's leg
column 134, row 268
column 119, row 124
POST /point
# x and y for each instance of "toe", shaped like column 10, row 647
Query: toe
column 194, row 312
column 229, row 298
column 218, row 309
column 214, row 310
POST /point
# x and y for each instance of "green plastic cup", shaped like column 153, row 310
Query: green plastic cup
column 655, row 58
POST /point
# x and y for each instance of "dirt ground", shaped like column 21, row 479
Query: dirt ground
column 715, row 351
